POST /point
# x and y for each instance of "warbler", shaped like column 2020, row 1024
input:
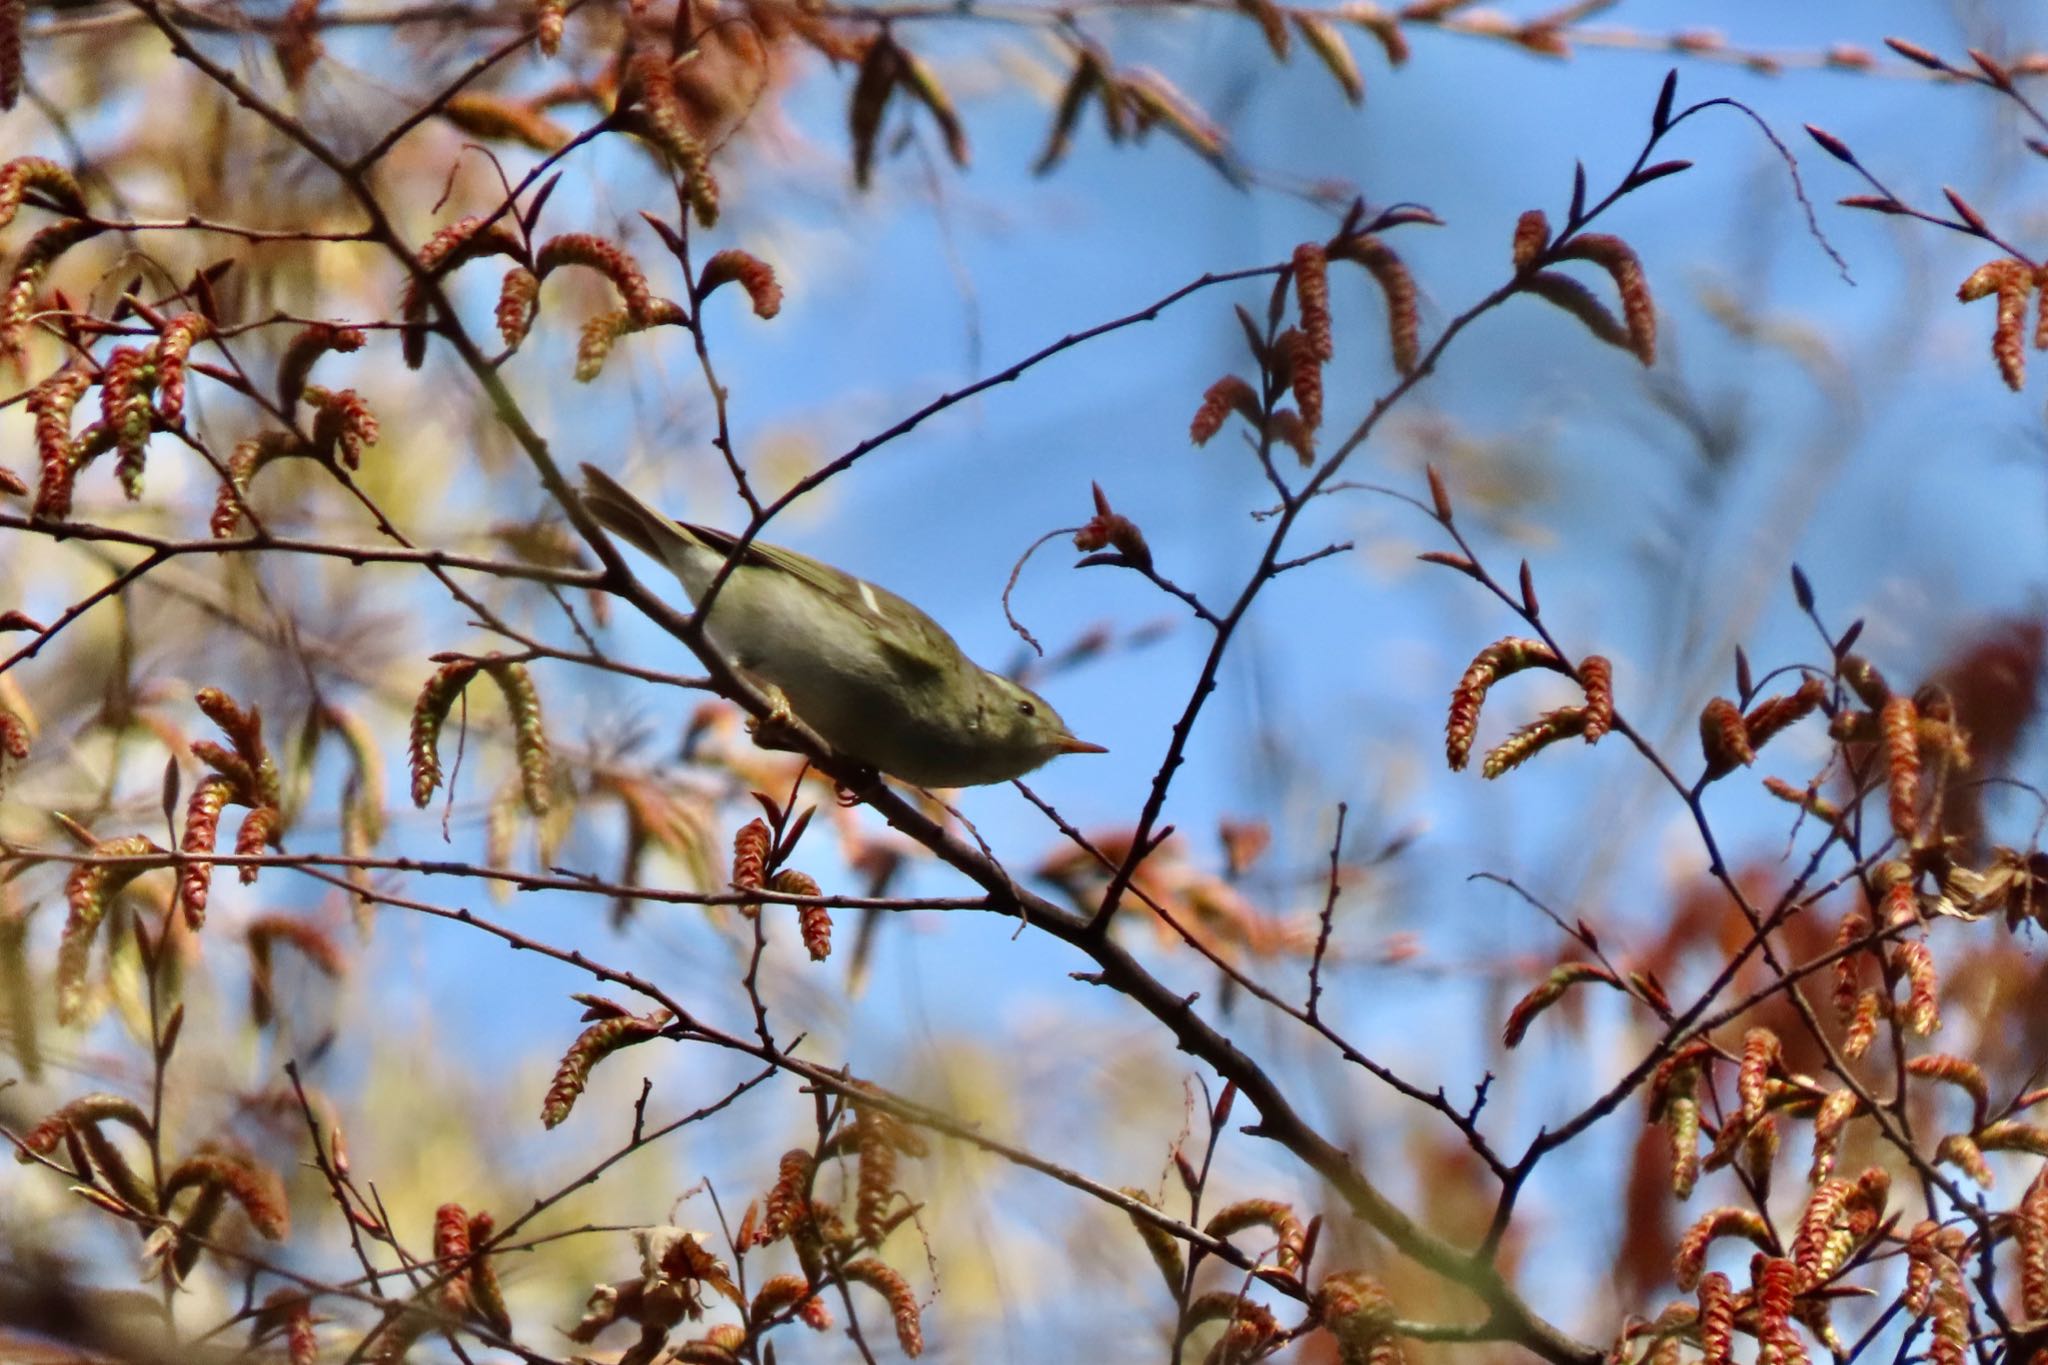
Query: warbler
column 874, row 677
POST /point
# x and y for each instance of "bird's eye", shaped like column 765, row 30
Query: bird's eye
column 1026, row 708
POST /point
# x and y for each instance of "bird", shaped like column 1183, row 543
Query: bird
column 870, row 674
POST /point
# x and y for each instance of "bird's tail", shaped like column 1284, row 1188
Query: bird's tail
column 626, row 516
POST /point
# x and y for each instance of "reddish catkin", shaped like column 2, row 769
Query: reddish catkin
column 814, row 922
column 26, row 173
column 486, row 1297
column 1962, row 1152
column 592, row 1046
column 602, row 255
column 1961, row 1073
column 1761, row 1051
column 1923, row 999
column 1312, row 298
column 429, row 713
column 304, row 350
column 291, row 1310
column 2012, row 281
column 2030, row 1234
column 258, row 1189
column 1532, row 238
column 30, row 266
column 88, row 890
column 202, row 833
column 1538, row 735
column 1726, row 1221
column 52, row 403
column 549, row 16
column 1899, row 722
column 1807, row 799
column 1160, row 1245
column 1619, row 260
column 652, row 82
column 260, row 829
column 1267, row 1213
column 1862, row 1030
column 750, row 272
column 1847, row 975
column 1227, row 395
column 1724, row 737
column 902, row 1302
column 1305, row 374
column 1404, row 312
column 876, row 1186
column 342, row 423
column 1772, row 716
column 1829, row 1121
column 1498, row 660
column 1359, row 1313
column 786, row 1199
column 1717, row 1318
column 1775, row 1281
column 1596, row 676
column 247, row 457
column 125, row 386
column 750, row 859
column 518, row 294
column 1287, row 428
column 451, row 1254
column 173, row 349
column 529, row 736
column 1814, row 1251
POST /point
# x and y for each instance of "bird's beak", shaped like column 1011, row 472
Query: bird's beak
column 1070, row 745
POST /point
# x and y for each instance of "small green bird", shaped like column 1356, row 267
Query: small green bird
column 876, row 678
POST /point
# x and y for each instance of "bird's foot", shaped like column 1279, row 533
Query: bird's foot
column 777, row 729
column 866, row 783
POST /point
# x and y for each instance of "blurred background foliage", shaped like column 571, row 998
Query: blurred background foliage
column 1848, row 418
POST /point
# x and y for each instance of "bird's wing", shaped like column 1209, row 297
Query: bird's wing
column 918, row 643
